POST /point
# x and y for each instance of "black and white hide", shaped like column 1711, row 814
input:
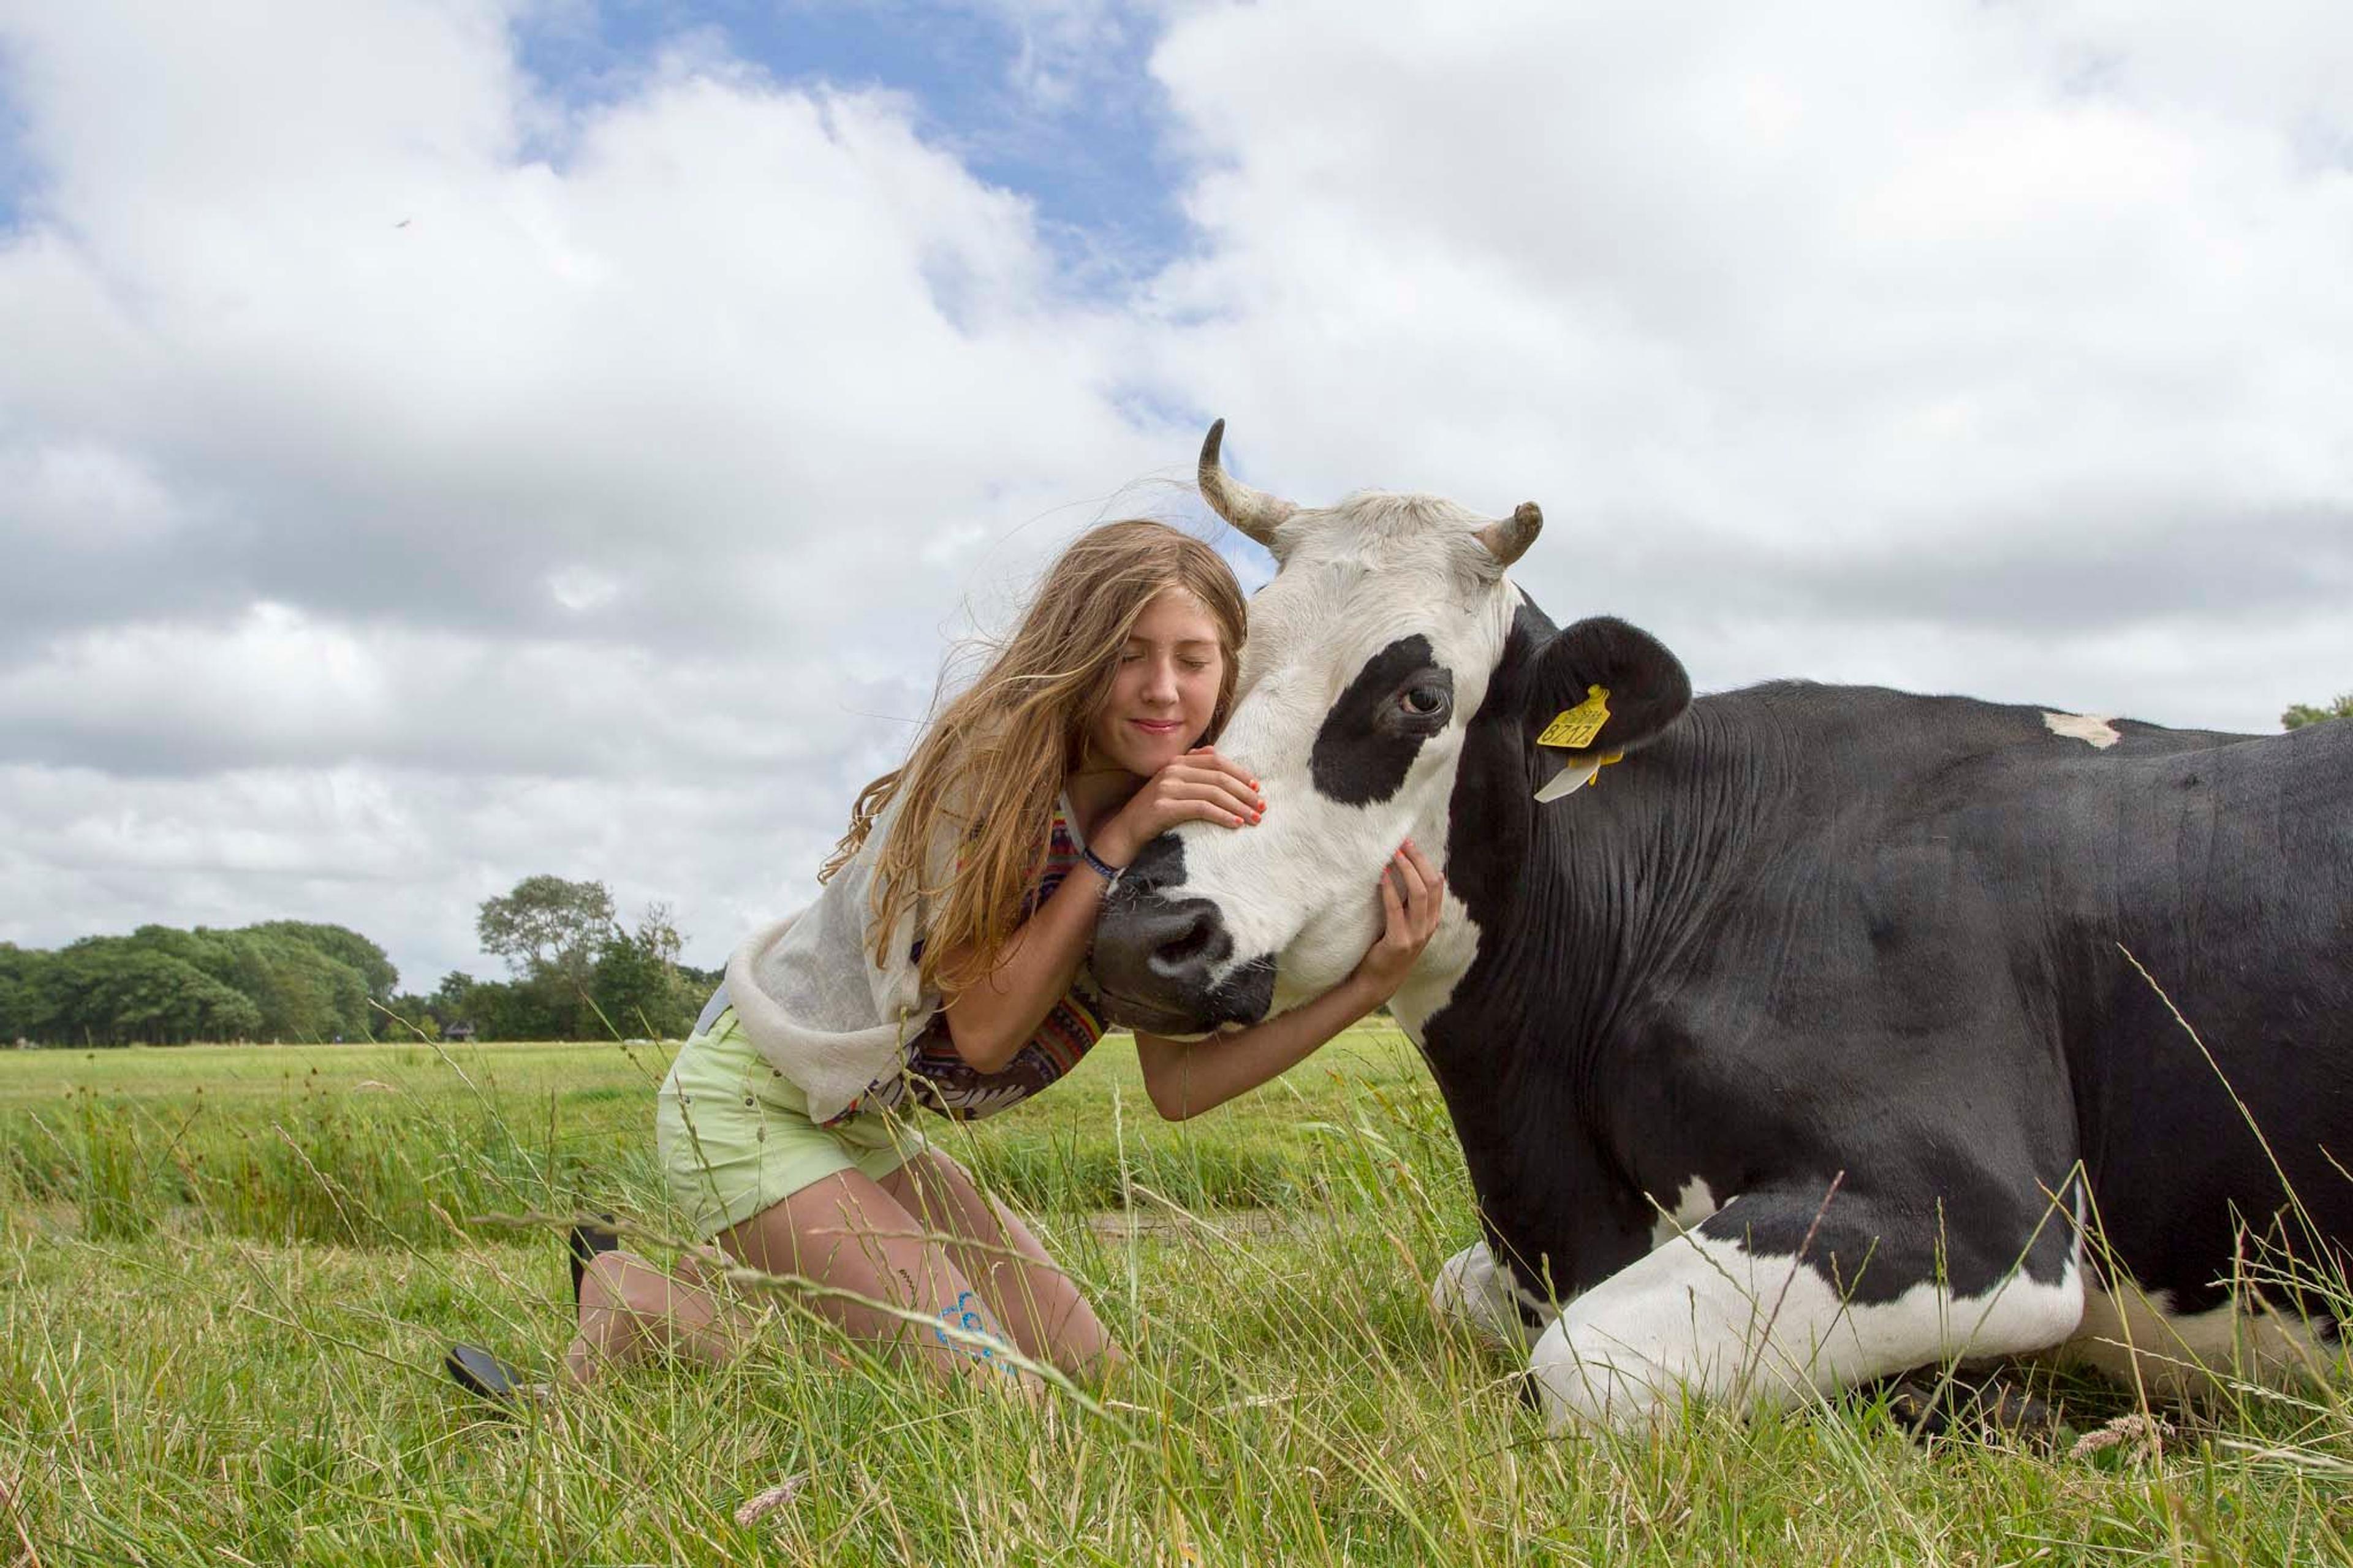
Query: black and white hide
column 1801, row 1047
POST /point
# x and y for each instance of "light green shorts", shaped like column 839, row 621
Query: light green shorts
column 735, row 1135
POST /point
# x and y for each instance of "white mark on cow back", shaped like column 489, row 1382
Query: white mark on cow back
column 2190, row 1356
column 1474, row 1291
column 1706, row 1319
column 2092, row 728
column 1693, row 1204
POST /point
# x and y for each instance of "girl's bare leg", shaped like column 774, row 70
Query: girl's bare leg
column 630, row 1310
column 849, row 1233
column 852, row 1234
column 1039, row 1305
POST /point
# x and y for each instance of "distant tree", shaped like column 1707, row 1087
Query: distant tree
column 658, row 934
column 407, row 1015
column 494, row 1007
column 203, row 949
column 303, row 992
column 448, row 999
column 20, row 970
column 344, row 945
column 311, row 982
column 548, row 927
column 638, row 990
column 114, row 991
column 523, row 1010
column 288, row 980
column 2301, row 713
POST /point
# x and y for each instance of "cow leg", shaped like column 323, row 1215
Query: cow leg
column 1474, row 1291
column 1706, row 1318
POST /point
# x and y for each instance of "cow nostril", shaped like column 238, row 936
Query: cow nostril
column 1186, row 942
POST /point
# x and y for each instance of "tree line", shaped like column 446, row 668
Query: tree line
column 576, row 973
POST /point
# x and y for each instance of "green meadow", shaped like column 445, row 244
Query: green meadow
column 227, row 1276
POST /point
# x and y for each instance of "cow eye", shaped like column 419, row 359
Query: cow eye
column 1423, row 700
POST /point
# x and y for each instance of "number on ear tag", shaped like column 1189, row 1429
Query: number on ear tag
column 1574, row 729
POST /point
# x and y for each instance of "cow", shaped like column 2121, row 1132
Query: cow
column 1831, row 1032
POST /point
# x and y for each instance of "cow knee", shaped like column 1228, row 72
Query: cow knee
column 1475, row 1292
column 1582, row 1380
column 2023, row 1316
column 1704, row 1317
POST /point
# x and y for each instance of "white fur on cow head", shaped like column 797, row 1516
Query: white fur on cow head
column 1359, row 582
column 1369, row 657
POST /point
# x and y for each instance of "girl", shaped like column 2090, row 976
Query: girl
column 944, row 966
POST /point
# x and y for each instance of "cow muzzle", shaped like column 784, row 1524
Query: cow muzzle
column 1163, row 962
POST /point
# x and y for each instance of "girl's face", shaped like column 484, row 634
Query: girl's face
column 1166, row 691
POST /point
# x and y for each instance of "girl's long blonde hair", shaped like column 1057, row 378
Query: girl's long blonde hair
column 985, row 774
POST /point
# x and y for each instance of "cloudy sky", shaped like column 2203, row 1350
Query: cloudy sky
column 449, row 441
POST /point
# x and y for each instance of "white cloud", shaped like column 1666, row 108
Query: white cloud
column 1831, row 293
column 412, row 480
column 348, row 433
column 82, row 499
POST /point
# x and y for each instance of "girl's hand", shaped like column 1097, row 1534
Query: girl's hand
column 1413, row 895
column 1186, row 1077
column 1200, row 786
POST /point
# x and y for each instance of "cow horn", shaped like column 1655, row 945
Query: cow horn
column 1255, row 512
column 1509, row 540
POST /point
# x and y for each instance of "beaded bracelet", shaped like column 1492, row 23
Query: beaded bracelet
column 1109, row 873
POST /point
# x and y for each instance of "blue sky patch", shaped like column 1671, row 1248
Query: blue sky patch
column 16, row 172
column 1070, row 122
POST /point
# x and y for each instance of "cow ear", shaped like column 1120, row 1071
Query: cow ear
column 1647, row 689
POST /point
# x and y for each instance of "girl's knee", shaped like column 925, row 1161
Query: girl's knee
column 1097, row 1367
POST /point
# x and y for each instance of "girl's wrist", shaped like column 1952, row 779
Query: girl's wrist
column 1107, row 851
column 1365, row 991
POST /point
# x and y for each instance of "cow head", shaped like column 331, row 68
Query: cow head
column 1388, row 644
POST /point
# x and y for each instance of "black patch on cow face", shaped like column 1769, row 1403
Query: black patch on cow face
column 1154, row 953
column 1400, row 698
column 1159, row 865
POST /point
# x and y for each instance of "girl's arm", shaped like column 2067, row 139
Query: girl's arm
column 1186, row 1078
column 992, row 1018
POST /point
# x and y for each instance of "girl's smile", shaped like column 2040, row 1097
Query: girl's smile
column 1165, row 689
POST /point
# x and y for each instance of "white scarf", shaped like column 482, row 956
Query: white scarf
column 811, row 998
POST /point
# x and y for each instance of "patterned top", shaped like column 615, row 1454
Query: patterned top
column 936, row 1077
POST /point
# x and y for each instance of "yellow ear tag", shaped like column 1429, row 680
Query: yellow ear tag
column 1575, row 728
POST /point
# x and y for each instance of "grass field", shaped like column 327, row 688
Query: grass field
column 226, row 1277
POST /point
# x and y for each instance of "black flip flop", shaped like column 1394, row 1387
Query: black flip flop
column 584, row 1242
column 484, row 1375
